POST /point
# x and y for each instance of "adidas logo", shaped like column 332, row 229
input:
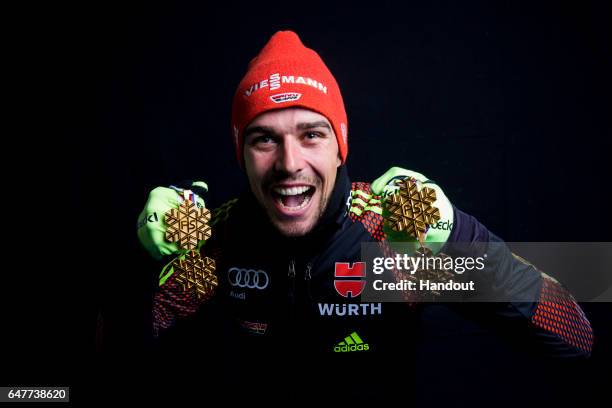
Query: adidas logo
column 351, row 342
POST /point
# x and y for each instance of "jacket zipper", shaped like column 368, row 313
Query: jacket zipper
column 307, row 277
column 291, row 277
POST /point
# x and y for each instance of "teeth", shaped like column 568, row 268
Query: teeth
column 299, row 207
column 291, row 191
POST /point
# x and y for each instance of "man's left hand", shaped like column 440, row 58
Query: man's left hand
column 438, row 233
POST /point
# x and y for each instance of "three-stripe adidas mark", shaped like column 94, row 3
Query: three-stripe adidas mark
column 352, row 342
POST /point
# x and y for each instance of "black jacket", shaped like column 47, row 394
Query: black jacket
column 278, row 314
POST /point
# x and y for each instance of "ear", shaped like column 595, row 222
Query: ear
column 338, row 160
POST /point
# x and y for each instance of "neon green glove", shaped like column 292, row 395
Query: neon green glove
column 438, row 234
column 151, row 225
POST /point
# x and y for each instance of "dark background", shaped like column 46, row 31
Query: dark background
column 505, row 104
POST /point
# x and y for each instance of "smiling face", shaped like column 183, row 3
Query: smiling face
column 291, row 158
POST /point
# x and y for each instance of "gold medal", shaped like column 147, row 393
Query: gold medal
column 196, row 274
column 187, row 226
column 412, row 210
column 433, row 273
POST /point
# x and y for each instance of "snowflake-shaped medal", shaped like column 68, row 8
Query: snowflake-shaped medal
column 196, row 274
column 187, row 226
column 412, row 210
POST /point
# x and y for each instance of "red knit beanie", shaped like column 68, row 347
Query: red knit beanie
column 287, row 74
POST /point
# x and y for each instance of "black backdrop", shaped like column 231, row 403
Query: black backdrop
column 505, row 104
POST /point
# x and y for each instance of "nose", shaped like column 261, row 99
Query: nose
column 290, row 159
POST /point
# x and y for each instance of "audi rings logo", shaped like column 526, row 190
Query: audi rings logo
column 248, row 278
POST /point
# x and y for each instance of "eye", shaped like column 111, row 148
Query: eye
column 312, row 135
column 263, row 139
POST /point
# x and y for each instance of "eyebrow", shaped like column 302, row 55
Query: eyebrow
column 313, row 125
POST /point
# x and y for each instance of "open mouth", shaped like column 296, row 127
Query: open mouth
column 293, row 198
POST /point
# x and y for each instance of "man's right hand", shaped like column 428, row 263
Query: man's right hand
column 151, row 224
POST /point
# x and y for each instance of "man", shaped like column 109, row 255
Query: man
column 283, row 248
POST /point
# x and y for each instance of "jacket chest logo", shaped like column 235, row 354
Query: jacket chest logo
column 353, row 286
column 248, row 278
column 349, row 283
